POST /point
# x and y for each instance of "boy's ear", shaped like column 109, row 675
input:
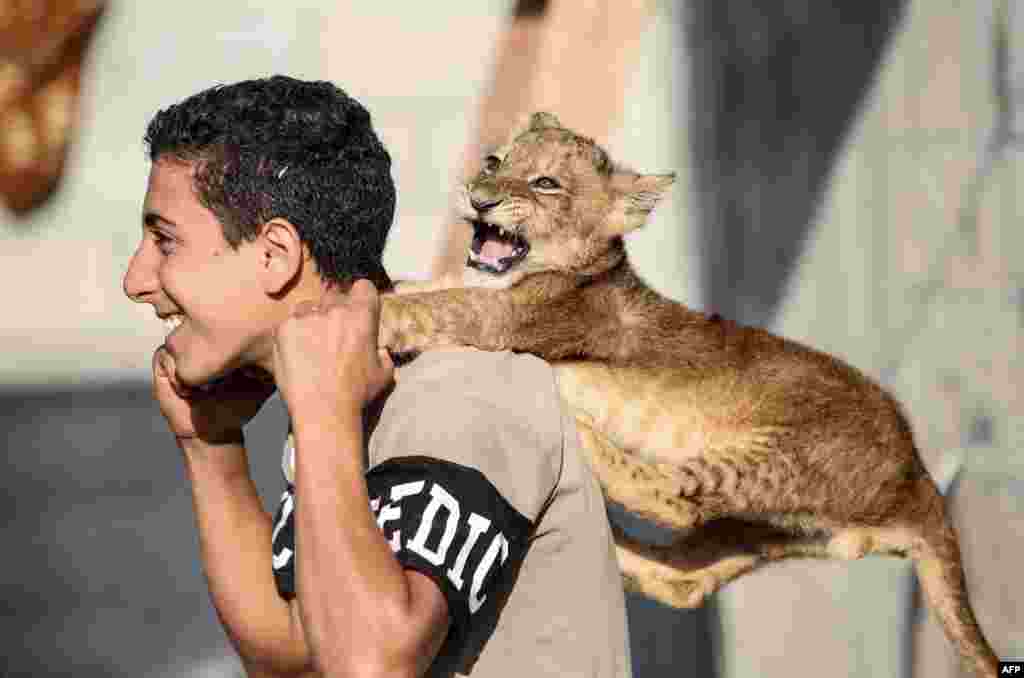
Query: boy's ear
column 282, row 254
column 635, row 196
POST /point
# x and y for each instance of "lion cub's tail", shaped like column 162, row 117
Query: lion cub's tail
column 936, row 559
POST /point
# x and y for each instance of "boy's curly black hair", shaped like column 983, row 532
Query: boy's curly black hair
column 280, row 147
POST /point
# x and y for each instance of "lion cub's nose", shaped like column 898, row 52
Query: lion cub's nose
column 482, row 205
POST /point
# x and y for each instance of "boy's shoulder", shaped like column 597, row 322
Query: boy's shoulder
column 498, row 413
column 469, row 370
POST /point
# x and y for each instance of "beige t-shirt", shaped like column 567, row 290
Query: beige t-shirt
column 476, row 478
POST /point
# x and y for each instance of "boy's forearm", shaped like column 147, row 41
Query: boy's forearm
column 346, row 566
column 235, row 545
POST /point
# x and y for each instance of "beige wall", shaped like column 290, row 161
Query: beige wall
column 862, row 290
column 419, row 72
column 66, row 319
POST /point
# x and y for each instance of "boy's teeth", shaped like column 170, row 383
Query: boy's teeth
column 172, row 322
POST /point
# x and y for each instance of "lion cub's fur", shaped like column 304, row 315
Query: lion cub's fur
column 752, row 447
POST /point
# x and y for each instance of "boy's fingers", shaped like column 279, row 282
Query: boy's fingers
column 364, row 293
column 184, row 391
column 163, row 369
column 334, row 295
column 158, row 364
column 305, row 307
column 364, row 288
column 361, row 292
column 163, row 364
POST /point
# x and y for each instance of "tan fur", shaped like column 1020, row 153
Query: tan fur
column 751, row 447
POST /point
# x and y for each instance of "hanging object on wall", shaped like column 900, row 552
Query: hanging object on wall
column 42, row 47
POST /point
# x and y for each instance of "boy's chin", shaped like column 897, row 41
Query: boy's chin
column 201, row 369
column 200, row 376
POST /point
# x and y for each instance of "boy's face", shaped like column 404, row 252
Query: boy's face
column 186, row 269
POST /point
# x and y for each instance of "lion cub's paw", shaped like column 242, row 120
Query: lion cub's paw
column 389, row 334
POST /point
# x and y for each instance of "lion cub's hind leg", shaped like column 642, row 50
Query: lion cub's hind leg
column 655, row 572
column 683, row 574
column 852, row 543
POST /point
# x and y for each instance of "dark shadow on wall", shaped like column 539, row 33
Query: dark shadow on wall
column 101, row 562
column 776, row 87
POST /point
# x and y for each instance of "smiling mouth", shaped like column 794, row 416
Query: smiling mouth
column 172, row 322
column 494, row 249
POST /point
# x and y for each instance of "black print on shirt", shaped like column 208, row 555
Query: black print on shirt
column 283, row 545
column 442, row 519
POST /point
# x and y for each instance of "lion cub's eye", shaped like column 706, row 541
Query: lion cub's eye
column 545, row 184
column 491, row 164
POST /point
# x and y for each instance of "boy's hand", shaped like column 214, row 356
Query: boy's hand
column 213, row 415
column 326, row 357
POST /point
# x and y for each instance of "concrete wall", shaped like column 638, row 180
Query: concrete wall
column 885, row 280
column 913, row 272
column 66, row 319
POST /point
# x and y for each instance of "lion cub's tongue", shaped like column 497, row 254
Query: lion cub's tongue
column 496, row 250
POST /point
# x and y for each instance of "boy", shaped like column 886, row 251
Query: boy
column 477, row 540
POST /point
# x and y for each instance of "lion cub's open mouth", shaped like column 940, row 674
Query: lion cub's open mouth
column 494, row 249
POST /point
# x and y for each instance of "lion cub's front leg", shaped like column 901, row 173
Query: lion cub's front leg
column 528, row 317
column 433, row 285
column 414, row 321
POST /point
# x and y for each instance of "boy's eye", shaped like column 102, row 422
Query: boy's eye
column 545, row 184
column 491, row 164
column 163, row 243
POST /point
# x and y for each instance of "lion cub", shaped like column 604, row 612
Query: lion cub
column 750, row 446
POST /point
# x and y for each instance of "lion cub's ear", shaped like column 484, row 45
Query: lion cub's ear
column 633, row 198
column 534, row 122
column 541, row 120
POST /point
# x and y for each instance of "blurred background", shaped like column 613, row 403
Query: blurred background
column 848, row 175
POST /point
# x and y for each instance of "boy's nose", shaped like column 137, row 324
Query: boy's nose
column 140, row 279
